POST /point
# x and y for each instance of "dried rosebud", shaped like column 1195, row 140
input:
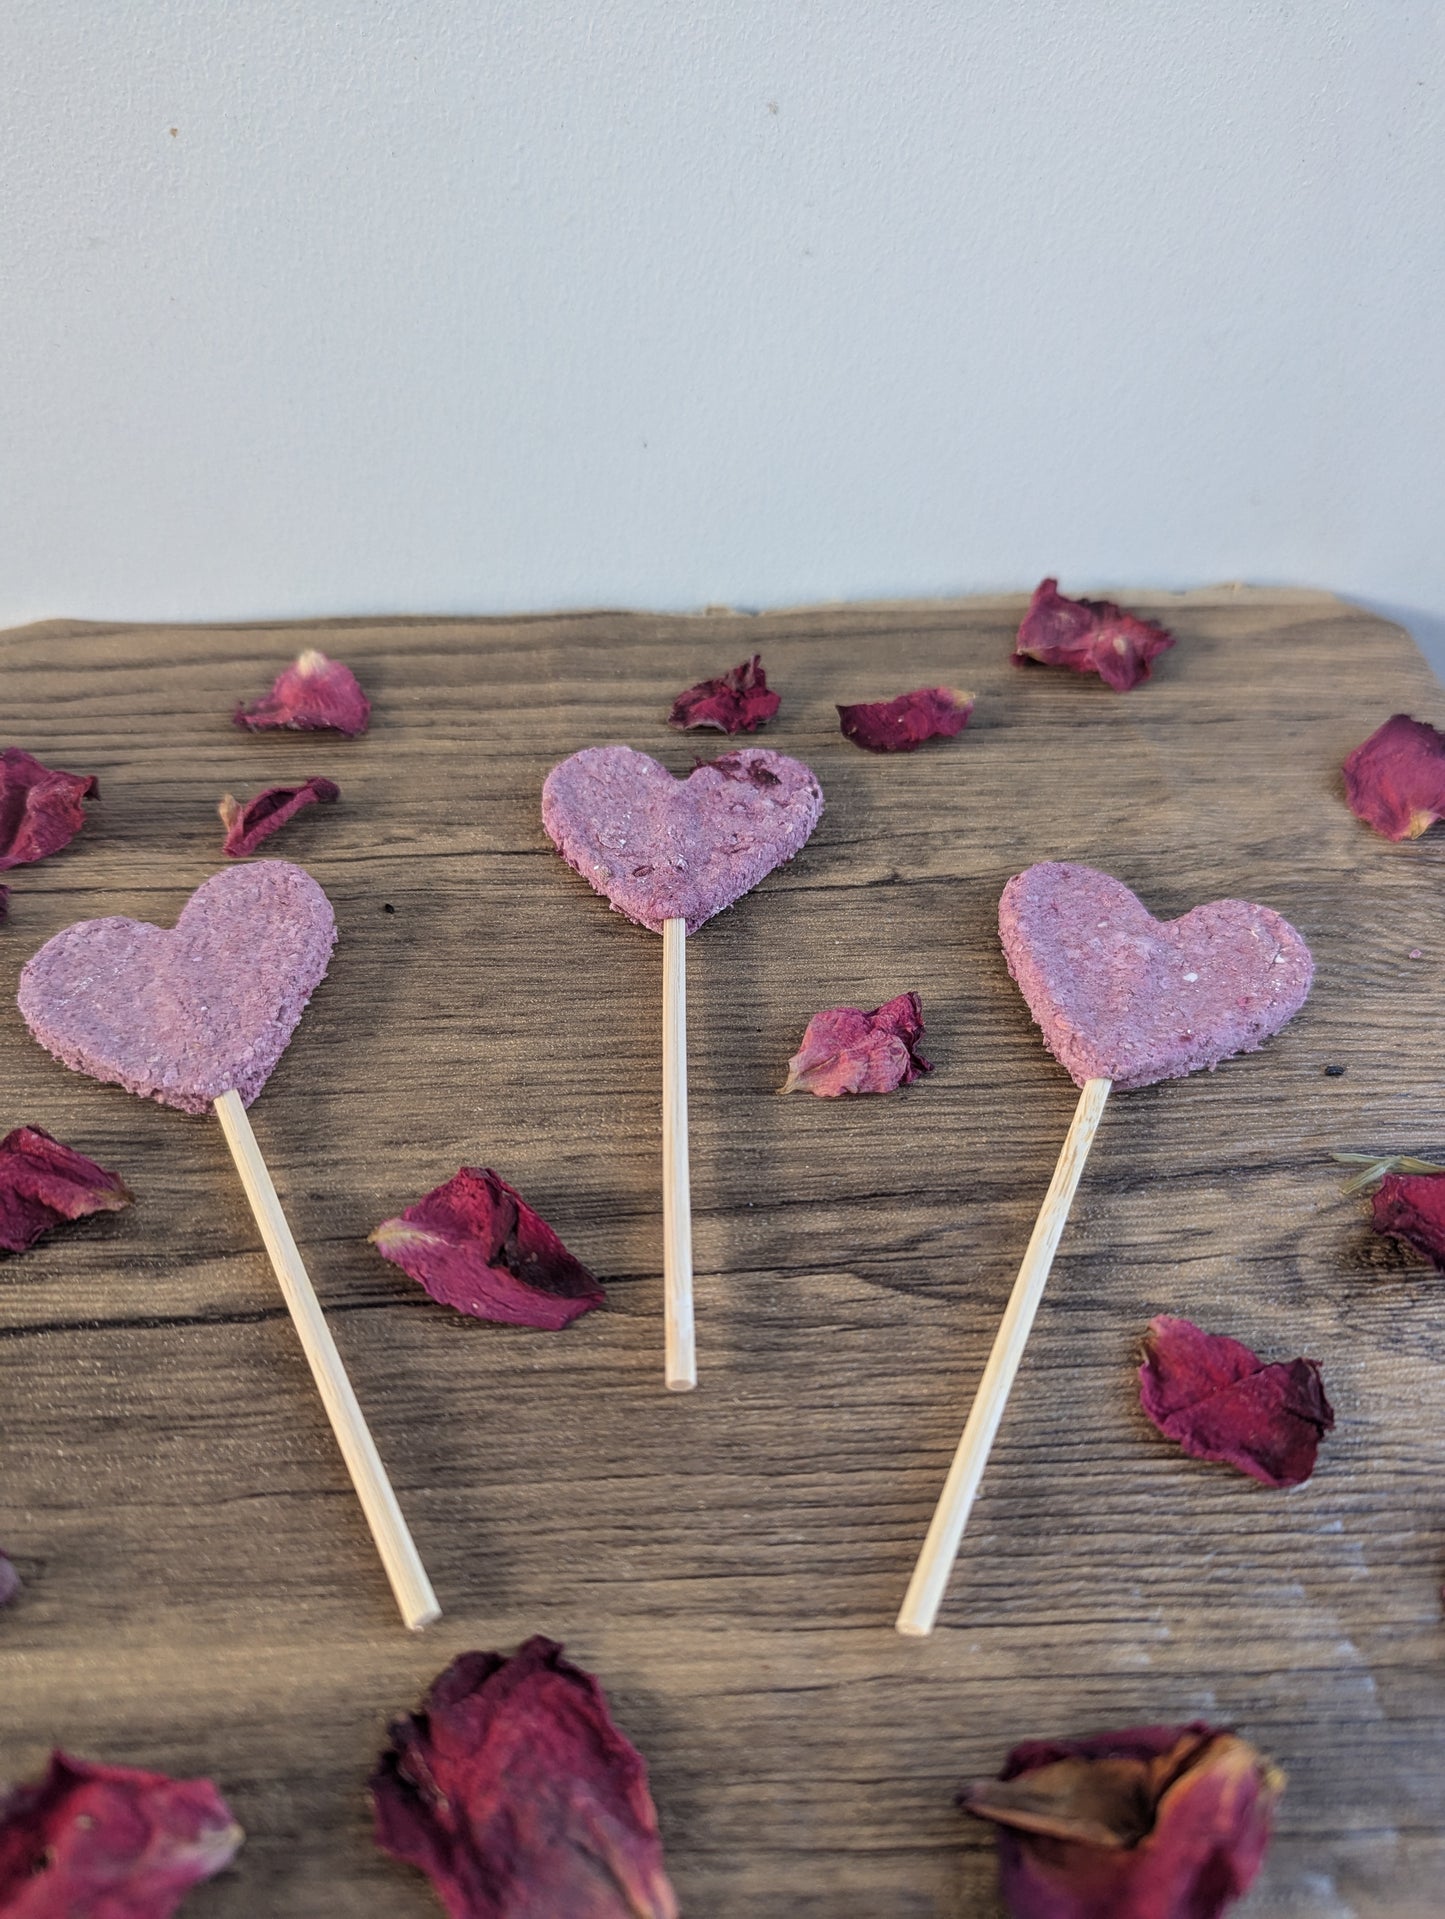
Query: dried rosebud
column 40, row 809
column 1395, row 780
column 43, row 1183
column 316, row 695
column 1221, row 1402
column 739, row 702
column 476, row 1244
column 246, row 826
column 514, row 1792
column 9, row 1579
column 1159, row 1822
column 1411, row 1207
column 1091, row 636
column 106, row 1842
column 848, row 1051
column 902, row 725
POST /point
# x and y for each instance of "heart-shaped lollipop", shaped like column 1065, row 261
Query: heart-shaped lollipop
column 669, row 854
column 186, row 1014
column 1123, row 1000
column 1122, row 996
column 661, row 848
column 196, row 1017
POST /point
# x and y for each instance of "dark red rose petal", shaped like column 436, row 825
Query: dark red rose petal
column 1411, row 1206
column 845, row 1050
column 901, row 725
column 315, row 695
column 1159, row 1822
column 9, row 1579
column 1395, row 780
column 40, row 809
column 1221, row 1402
column 514, row 1792
column 43, row 1183
column 739, row 702
column 246, row 826
column 476, row 1244
column 1091, row 636
column 106, row 1842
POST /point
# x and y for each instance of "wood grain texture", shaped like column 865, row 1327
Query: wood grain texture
column 201, row 1594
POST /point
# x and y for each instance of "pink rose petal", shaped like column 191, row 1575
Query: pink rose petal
column 246, row 826
column 903, row 724
column 106, row 1842
column 315, row 695
column 1090, row 636
column 44, row 1183
column 738, row 702
column 40, row 808
column 1221, row 1402
column 475, row 1244
column 845, row 1050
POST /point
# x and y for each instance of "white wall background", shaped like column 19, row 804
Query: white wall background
column 323, row 306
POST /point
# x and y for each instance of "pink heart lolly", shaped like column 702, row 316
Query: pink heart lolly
column 1122, row 996
column 661, row 848
column 181, row 1016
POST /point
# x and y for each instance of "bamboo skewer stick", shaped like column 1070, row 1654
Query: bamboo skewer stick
column 940, row 1548
column 399, row 1555
column 676, row 1182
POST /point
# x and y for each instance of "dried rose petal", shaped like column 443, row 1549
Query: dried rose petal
column 1395, row 780
column 1091, row 636
column 315, row 695
column 1221, row 1402
column 514, row 1792
column 106, row 1842
column 246, row 826
column 901, row 725
column 1159, row 1822
column 848, row 1051
column 739, row 702
column 1411, row 1206
column 9, row 1579
column 40, row 809
column 476, row 1244
column 43, row 1182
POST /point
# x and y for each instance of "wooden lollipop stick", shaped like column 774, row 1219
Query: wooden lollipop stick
column 940, row 1548
column 676, row 1182
column 399, row 1556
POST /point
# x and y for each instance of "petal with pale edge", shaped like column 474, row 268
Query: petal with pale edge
column 1090, row 636
column 515, row 1793
column 246, row 826
column 902, row 725
column 1395, row 780
column 107, row 1842
column 313, row 695
column 1221, row 1402
column 737, row 702
column 1158, row 1822
column 40, row 808
column 43, row 1183
column 845, row 1050
column 475, row 1244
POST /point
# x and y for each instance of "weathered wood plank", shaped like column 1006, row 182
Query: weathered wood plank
column 201, row 1595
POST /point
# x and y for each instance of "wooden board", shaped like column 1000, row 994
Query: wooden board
column 200, row 1593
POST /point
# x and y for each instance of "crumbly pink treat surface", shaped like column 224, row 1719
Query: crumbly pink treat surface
column 183, row 1015
column 1120, row 995
column 661, row 848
